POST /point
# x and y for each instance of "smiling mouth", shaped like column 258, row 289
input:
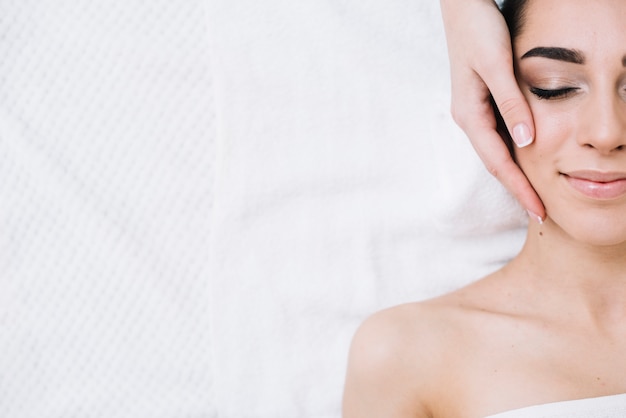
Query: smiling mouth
column 597, row 185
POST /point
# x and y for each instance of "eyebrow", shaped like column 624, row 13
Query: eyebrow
column 557, row 53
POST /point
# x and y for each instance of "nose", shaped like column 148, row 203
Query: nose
column 606, row 123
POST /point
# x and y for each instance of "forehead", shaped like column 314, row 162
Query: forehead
column 598, row 25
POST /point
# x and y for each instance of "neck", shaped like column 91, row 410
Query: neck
column 580, row 279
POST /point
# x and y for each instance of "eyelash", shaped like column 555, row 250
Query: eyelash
column 552, row 94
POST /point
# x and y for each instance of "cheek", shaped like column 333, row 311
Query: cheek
column 532, row 162
column 553, row 142
column 554, row 133
column 534, row 156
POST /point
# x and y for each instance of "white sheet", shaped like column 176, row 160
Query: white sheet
column 609, row 406
column 344, row 187
column 200, row 200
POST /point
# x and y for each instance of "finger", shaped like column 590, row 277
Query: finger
column 501, row 165
column 511, row 104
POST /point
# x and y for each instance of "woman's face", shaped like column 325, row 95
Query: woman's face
column 571, row 64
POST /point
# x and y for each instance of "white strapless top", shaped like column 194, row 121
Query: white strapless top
column 613, row 406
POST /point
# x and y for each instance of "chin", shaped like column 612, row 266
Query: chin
column 597, row 231
column 604, row 241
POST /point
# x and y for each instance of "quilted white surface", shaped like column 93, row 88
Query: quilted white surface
column 201, row 199
column 106, row 170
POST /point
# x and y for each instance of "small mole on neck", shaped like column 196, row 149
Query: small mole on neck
column 540, row 234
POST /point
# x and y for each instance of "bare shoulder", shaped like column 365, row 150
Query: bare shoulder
column 415, row 360
column 436, row 358
column 396, row 360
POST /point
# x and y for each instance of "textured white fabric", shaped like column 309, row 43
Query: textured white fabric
column 200, row 200
column 106, row 169
column 601, row 407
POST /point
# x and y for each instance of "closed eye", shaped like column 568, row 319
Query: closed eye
column 552, row 94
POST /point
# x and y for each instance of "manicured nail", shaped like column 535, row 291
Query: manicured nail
column 535, row 217
column 521, row 135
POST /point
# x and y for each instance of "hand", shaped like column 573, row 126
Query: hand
column 481, row 65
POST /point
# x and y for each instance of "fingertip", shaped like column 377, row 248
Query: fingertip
column 522, row 135
column 534, row 207
column 532, row 215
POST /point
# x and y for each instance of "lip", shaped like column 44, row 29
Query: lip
column 599, row 185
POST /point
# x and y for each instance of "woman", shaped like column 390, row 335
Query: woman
column 551, row 325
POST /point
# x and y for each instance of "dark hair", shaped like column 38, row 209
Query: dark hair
column 514, row 13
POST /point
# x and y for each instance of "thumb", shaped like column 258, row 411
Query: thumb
column 512, row 106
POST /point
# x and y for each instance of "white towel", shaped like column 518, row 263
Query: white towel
column 343, row 187
column 612, row 406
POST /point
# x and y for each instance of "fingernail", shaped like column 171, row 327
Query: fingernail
column 536, row 217
column 521, row 135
